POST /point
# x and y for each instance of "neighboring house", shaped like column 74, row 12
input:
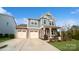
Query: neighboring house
column 38, row 28
column 7, row 24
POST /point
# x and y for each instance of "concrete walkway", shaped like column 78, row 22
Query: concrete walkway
column 27, row 45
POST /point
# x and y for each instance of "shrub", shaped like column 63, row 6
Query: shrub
column 6, row 35
column 64, row 36
column 12, row 36
column 76, row 36
column 1, row 35
column 45, row 37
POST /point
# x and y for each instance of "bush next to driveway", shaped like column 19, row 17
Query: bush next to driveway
column 6, row 37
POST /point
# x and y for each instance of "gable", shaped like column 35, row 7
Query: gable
column 49, row 17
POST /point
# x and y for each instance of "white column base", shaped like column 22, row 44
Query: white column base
column 59, row 38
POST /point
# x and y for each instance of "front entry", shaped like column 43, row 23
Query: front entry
column 33, row 34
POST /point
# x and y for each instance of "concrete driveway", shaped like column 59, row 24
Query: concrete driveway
column 27, row 45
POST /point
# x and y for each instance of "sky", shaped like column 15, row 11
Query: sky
column 63, row 15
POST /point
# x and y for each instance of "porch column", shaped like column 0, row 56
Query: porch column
column 50, row 32
column 60, row 34
column 59, row 30
column 44, row 31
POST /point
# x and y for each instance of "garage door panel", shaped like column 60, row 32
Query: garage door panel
column 21, row 34
column 34, row 34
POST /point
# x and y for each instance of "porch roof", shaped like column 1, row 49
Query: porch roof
column 21, row 27
column 54, row 27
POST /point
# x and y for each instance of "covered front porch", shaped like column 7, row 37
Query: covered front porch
column 49, row 32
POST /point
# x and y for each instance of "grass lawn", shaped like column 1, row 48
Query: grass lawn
column 4, row 39
column 67, row 45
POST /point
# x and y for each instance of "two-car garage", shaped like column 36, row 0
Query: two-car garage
column 24, row 33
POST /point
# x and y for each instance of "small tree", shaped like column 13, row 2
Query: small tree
column 75, row 30
column 66, row 33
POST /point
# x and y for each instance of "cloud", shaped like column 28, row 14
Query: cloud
column 76, row 11
column 67, row 22
column 71, row 22
column 18, row 21
column 3, row 11
column 21, row 21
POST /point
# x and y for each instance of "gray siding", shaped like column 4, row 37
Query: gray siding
column 47, row 22
column 33, row 23
column 40, row 21
column 7, row 24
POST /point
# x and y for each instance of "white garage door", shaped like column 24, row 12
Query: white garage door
column 21, row 34
column 34, row 34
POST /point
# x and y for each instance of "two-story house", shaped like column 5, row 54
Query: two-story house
column 45, row 25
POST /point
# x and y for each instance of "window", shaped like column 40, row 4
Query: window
column 44, row 21
column 19, row 30
column 35, row 31
column 24, row 30
column 35, row 23
column 49, row 23
column 32, row 22
column 7, row 23
column 31, row 31
column 52, row 23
